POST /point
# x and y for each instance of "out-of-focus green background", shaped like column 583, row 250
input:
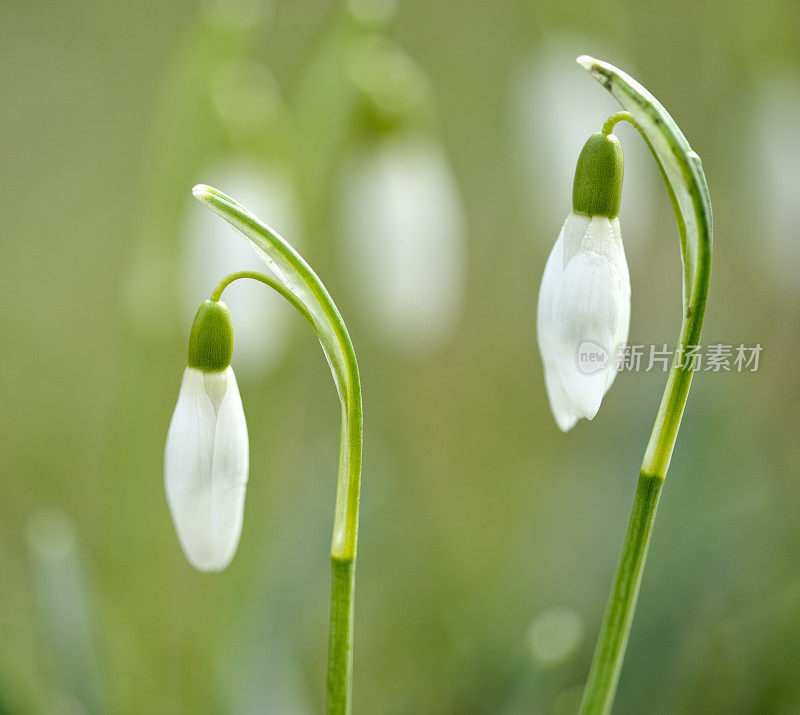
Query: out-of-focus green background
column 488, row 538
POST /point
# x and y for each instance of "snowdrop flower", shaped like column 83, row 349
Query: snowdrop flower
column 216, row 496
column 584, row 299
column 206, row 457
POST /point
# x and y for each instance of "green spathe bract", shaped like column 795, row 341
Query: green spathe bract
column 688, row 191
column 597, row 188
column 297, row 282
column 211, row 339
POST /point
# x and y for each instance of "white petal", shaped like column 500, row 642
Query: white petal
column 587, row 310
column 547, row 293
column 188, row 458
column 229, row 475
column 560, row 404
column 574, row 234
column 600, row 238
column 584, row 314
column 215, row 385
column 624, row 280
column 584, row 305
column 205, row 467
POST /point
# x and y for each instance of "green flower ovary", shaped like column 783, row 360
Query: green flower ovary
column 598, row 177
column 211, row 339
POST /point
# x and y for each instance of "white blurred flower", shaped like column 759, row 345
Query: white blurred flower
column 211, row 249
column 555, row 634
column 773, row 124
column 583, row 315
column 206, row 462
column 403, row 226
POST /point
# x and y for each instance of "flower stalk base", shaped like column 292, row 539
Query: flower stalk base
column 340, row 635
column 610, row 650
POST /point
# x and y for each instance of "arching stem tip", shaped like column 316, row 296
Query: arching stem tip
column 200, row 191
column 594, row 67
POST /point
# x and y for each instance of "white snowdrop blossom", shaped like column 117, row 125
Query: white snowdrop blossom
column 585, row 297
column 206, row 458
column 583, row 316
column 205, row 467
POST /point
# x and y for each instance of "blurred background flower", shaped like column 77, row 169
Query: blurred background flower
column 491, row 602
column 776, row 156
column 403, row 228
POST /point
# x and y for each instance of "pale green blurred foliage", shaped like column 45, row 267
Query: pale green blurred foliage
column 488, row 539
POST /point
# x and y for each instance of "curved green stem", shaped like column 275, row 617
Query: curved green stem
column 615, row 119
column 216, row 294
column 688, row 190
column 298, row 283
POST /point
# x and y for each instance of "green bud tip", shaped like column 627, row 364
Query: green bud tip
column 598, row 177
column 211, row 339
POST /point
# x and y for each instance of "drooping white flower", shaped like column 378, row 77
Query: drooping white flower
column 585, row 297
column 205, row 467
column 206, row 458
